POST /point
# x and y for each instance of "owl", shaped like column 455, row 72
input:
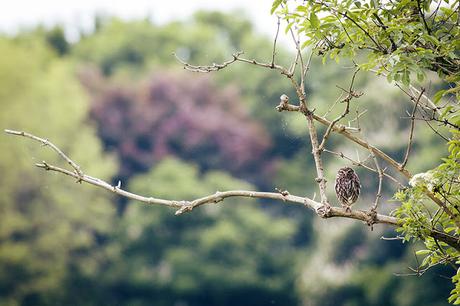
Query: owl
column 347, row 187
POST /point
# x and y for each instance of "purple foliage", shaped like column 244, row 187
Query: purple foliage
column 179, row 114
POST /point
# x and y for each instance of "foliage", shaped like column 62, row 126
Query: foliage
column 217, row 255
column 419, row 216
column 403, row 40
column 400, row 39
column 174, row 115
column 42, row 232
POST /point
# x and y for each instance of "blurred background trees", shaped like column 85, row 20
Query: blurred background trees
column 117, row 101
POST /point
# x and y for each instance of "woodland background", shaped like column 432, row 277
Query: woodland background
column 119, row 104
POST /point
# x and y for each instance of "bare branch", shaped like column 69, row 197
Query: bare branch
column 275, row 40
column 379, row 190
column 206, row 69
column 411, row 132
column 320, row 179
column 185, row 206
column 296, row 41
column 361, row 163
column 350, row 95
column 341, row 129
column 47, row 143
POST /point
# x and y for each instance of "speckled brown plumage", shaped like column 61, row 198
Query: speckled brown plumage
column 347, row 187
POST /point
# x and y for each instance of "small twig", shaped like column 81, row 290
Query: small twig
column 347, row 16
column 307, row 66
column 392, row 238
column 358, row 116
column 350, row 95
column 47, row 143
column 275, row 40
column 298, row 57
column 206, row 69
column 430, row 105
column 362, row 164
column 379, row 190
column 422, row 16
column 411, row 132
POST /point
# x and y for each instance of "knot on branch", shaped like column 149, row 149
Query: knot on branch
column 284, row 101
column 320, row 180
column 44, row 165
column 186, row 207
column 371, row 218
column 304, row 110
column 236, row 55
column 218, row 198
column 324, row 211
column 284, row 193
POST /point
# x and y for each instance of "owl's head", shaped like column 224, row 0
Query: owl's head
column 346, row 171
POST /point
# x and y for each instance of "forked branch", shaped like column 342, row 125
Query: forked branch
column 187, row 205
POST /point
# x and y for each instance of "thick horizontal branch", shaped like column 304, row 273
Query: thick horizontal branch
column 219, row 196
column 185, row 206
column 188, row 205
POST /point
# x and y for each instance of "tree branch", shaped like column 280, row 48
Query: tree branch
column 350, row 95
column 187, row 205
column 360, row 163
column 411, row 132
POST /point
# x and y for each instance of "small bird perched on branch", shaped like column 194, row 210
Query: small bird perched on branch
column 347, row 187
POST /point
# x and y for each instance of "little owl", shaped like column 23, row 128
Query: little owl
column 347, row 187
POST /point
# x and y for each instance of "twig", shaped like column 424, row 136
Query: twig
column 358, row 115
column 347, row 16
column 362, row 164
column 347, row 133
column 379, row 190
column 275, row 40
column 206, row 69
column 411, row 132
column 47, row 143
column 350, row 95
column 307, row 66
column 298, row 57
column 430, row 105
column 422, row 16
column 392, row 238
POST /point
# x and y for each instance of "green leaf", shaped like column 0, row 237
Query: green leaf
column 437, row 96
column 314, row 21
column 275, row 5
column 406, row 77
column 423, row 252
column 288, row 27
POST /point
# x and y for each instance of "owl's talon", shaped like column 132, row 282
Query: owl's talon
column 347, row 208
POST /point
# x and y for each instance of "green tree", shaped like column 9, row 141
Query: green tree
column 225, row 255
column 402, row 40
column 41, row 235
